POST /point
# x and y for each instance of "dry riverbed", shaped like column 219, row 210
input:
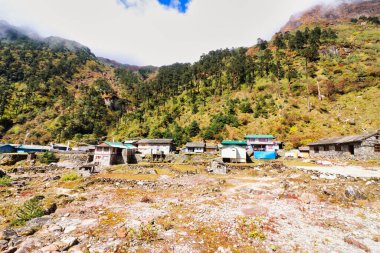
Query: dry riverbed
column 181, row 208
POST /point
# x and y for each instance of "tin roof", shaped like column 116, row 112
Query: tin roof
column 156, row 141
column 344, row 139
column 37, row 147
column 253, row 136
column 195, row 145
column 232, row 142
column 210, row 145
column 116, row 145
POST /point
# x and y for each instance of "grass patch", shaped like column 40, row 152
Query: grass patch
column 70, row 176
column 5, row 181
column 29, row 210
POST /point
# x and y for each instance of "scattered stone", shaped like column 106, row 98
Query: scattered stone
column 37, row 223
column 51, row 209
column 3, row 244
column 69, row 229
column 2, row 173
column 49, row 248
column 25, row 231
column 356, row 243
column 55, row 228
column 8, row 234
column 328, row 176
column 153, row 172
column 10, row 250
column 68, row 242
column 218, row 167
column 354, row 193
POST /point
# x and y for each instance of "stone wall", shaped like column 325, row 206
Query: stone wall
column 12, row 159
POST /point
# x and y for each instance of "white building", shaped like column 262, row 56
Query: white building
column 234, row 151
column 195, row 147
column 156, row 146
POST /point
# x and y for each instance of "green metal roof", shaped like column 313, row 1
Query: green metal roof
column 230, row 142
column 119, row 144
column 252, row 136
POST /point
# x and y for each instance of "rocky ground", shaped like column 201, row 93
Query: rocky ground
column 182, row 208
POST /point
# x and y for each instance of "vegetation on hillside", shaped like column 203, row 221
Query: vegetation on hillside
column 299, row 86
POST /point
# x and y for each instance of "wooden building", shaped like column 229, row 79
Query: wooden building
column 364, row 146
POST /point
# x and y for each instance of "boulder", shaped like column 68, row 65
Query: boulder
column 3, row 245
column 51, row 209
column 8, row 234
column 2, row 173
column 218, row 167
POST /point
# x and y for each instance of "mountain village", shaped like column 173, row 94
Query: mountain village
column 269, row 147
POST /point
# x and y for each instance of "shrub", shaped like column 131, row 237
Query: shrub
column 6, row 181
column 29, row 210
column 48, row 157
column 245, row 107
column 193, row 129
column 71, row 176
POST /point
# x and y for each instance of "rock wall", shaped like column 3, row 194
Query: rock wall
column 73, row 160
column 12, row 159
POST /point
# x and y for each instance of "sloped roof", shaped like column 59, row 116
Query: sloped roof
column 252, row 136
column 5, row 145
column 116, row 145
column 232, row 142
column 344, row 139
column 39, row 147
column 155, row 141
column 195, row 145
column 210, row 145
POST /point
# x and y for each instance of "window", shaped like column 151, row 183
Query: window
column 326, row 148
column 377, row 148
column 338, row 148
column 316, row 149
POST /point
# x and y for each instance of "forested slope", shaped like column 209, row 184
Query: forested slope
column 302, row 85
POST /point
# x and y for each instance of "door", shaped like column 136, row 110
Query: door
column 351, row 149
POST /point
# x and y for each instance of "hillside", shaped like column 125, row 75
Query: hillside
column 342, row 11
column 320, row 79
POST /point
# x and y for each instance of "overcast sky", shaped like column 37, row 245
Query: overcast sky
column 154, row 32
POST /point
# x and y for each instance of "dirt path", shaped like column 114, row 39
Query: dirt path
column 353, row 171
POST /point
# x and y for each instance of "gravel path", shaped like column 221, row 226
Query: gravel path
column 353, row 171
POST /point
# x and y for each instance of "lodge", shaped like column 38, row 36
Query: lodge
column 364, row 146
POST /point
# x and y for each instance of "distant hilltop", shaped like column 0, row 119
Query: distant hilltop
column 341, row 11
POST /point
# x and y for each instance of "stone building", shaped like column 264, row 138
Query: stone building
column 364, row 146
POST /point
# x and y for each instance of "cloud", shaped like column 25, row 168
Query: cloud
column 147, row 32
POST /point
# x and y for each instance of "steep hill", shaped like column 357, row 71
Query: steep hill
column 320, row 79
column 342, row 11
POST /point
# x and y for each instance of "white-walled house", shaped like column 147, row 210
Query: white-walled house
column 156, row 146
column 109, row 153
column 234, row 151
column 262, row 142
column 195, row 147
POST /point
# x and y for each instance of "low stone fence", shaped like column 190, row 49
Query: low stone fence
column 12, row 158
